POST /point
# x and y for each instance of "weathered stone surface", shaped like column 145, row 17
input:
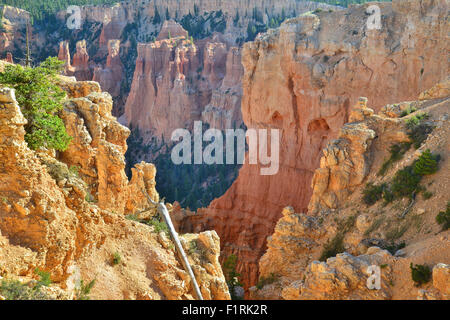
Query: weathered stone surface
column 110, row 77
column 12, row 37
column 64, row 213
column 177, row 82
column 303, row 78
column 342, row 223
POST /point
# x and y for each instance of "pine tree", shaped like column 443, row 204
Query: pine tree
column 167, row 14
column 426, row 164
column 157, row 17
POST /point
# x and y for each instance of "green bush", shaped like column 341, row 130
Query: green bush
column 272, row 278
column 336, row 244
column 418, row 130
column 426, row 164
column 427, row 195
column 443, row 218
column 158, row 225
column 420, row 274
column 405, row 183
column 40, row 100
column 232, row 276
column 408, row 110
column 116, row 259
column 16, row 290
column 45, row 279
column 333, row 247
column 83, row 290
column 372, row 193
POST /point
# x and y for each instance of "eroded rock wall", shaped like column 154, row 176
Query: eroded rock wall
column 348, row 236
column 66, row 213
column 302, row 79
column 177, row 82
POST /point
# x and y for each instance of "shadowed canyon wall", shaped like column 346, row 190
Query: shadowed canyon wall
column 302, row 78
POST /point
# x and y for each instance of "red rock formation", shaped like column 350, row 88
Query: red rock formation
column 110, row 30
column 302, row 78
column 223, row 111
column 80, row 63
column 110, row 77
column 64, row 55
column 115, row 18
column 48, row 219
column 176, row 79
column 14, row 21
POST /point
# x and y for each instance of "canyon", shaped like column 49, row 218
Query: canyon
column 115, row 42
column 302, row 78
column 336, row 91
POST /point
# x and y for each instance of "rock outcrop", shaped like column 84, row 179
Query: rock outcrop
column 80, row 63
column 65, row 213
column 347, row 236
column 116, row 17
column 176, row 80
column 303, row 79
column 110, row 77
column 171, row 29
column 64, row 55
column 79, row 67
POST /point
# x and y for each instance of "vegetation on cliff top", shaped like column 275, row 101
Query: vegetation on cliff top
column 40, row 9
column 40, row 100
column 420, row 274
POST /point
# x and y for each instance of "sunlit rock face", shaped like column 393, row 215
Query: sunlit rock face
column 178, row 81
column 303, row 78
column 66, row 212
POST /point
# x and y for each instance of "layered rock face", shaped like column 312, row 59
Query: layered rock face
column 14, row 21
column 115, row 18
column 302, row 79
column 342, row 222
column 79, row 67
column 65, row 213
column 80, row 63
column 110, row 77
column 115, row 22
column 177, row 80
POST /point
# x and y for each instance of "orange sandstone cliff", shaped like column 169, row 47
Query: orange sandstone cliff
column 366, row 235
column 65, row 213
